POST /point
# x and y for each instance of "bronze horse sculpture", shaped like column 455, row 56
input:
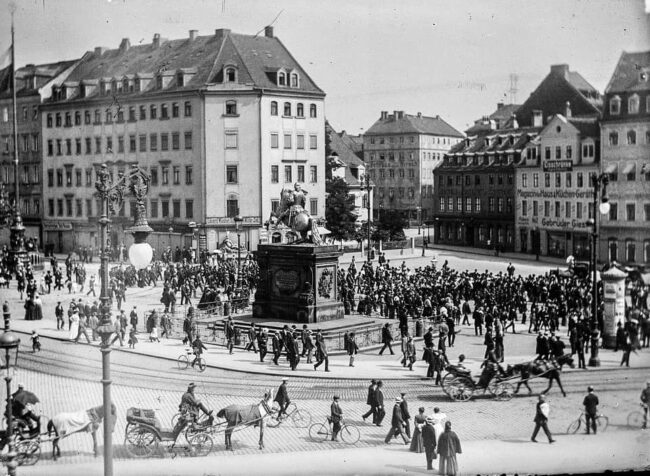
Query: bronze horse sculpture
column 66, row 424
column 246, row 415
column 541, row 368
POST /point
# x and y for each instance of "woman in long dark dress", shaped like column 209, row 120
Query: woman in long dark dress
column 448, row 448
column 417, row 446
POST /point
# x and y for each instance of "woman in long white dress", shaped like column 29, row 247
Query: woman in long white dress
column 74, row 325
column 439, row 419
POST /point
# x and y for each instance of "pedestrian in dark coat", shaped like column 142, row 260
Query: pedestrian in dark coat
column 282, row 397
column 542, row 411
column 448, row 448
column 405, row 414
column 397, row 426
column 321, row 352
column 372, row 402
column 379, row 402
column 386, row 339
column 252, row 337
column 277, row 347
column 429, row 441
column 353, row 348
column 262, row 343
column 336, row 415
column 590, row 403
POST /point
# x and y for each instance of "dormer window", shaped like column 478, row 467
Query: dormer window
column 102, row 88
column 125, row 85
column 159, row 82
column 180, row 80
column 294, row 80
column 615, row 106
column 633, row 104
column 230, row 75
column 114, row 85
column 282, row 78
column 136, row 85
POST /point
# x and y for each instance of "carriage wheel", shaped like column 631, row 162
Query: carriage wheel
column 460, row 390
column 201, row 365
column 183, row 362
column 29, row 452
column 635, row 419
column 446, row 380
column 140, row 442
column 200, row 444
column 602, row 422
column 301, row 418
column 350, row 434
column 503, row 391
column 319, row 432
column 175, row 419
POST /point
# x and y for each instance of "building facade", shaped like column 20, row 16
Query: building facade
column 401, row 152
column 222, row 123
column 33, row 86
column 625, row 139
column 553, row 197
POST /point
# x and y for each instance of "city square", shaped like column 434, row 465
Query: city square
column 202, row 272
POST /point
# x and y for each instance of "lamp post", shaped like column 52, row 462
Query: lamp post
column 9, row 342
column 419, row 218
column 367, row 186
column 170, row 230
column 238, row 220
column 599, row 183
column 140, row 253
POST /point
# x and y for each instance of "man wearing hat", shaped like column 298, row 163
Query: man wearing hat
column 372, row 402
column 190, row 405
column 429, row 439
column 262, row 342
column 405, row 414
column 282, row 397
column 58, row 313
column 276, row 344
column 397, row 424
column 336, row 415
column 542, row 411
column 591, row 408
column 645, row 403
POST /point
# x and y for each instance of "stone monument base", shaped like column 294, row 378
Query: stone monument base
column 298, row 283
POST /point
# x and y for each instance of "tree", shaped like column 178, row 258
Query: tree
column 392, row 223
column 340, row 211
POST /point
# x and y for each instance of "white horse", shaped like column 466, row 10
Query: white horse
column 247, row 415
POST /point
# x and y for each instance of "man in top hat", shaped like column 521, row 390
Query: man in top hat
column 405, row 414
column 336, row 415
column 282, row 397
column 429, row 439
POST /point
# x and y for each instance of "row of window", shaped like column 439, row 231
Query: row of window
column 287, row 109
column 25, row 117
column 64, row 177
column 313, row 206
column 473, row 204
column 26, row 142
column 588, row 151
column 136, row 143
column 455, row 232
column 68, row 119
column 633, row 104
column 630, row 250
column 457, row 180
column 28, row 174
column 401, row 173
column 287, row 141
column 391, row 156
column 391, row 192
column 288, row 173
column 578, row 209
column 74, row 207
column 630, row 137
column 411, row 140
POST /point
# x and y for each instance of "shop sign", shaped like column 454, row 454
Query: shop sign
column 558, row 165
column 556, row 193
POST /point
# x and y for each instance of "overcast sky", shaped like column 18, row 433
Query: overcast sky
column 452, row 58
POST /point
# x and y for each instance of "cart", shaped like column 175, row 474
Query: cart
column 459, row 385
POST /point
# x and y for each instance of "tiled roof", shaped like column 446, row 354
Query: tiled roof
column 501, row 117
column 495, row 141
column 410, row 124
column 632, row 73
column 256, row 58
column 578, row 82
column 587, row 127
column 43, row 72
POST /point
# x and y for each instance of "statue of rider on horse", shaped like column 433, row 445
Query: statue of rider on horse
column 292, row 213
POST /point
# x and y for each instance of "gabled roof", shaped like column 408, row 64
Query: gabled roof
column 345, row 153
column 632, row 73
column 43, row 73
column 410, row 124
column 501, row 141
column 556, row 89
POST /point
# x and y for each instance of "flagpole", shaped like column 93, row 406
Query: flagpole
column 17, row 230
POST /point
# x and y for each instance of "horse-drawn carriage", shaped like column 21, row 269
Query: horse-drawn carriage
column 459, row 385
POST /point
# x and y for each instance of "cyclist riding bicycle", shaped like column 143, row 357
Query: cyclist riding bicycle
column 645, row 402
column 197, row 348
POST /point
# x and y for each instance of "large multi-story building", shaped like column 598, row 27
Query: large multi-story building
column 625, row 138
column 553, row 197
column 401, row 152
column 222, row 123
column 33, row 85
column 474, row 198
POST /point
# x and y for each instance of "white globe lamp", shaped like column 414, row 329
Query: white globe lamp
column 604, row 208
column 140, row 255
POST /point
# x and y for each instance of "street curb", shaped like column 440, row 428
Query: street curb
column 317, row 376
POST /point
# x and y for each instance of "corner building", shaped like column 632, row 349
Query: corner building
column 222, row 123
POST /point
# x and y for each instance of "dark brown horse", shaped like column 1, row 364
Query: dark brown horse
column 246, row 415
column 541, row 368
column 66, row 424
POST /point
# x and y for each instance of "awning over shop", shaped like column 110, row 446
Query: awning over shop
column 611, row 169
column 629, row 168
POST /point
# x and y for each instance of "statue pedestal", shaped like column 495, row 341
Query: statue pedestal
column 298, row 283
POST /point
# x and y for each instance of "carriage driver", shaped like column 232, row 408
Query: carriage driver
column 190, row 404
column 22, row 408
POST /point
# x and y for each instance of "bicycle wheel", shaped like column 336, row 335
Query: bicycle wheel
column 183, row 362
column 574, row 426
column 301, row 418
column 200, row 444
column 602, row 422
column 319, row 432
column 350, row 434
column 635, row 420
column 201, row 364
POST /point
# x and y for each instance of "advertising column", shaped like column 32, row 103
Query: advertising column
column 614, row 300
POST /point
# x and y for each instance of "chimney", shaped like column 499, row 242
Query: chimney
column 99, row 50
column 221, row 33
column 538, row 120
column 124, row 45
column 419, row 114
column 384, row 115
column 560, row 69
column 567, row 110
column 500, row 105
column 515, row 124
column 156, row 40
column 268, row 31
column 396, row 114
column 193, row 34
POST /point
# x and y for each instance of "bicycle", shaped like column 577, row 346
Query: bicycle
column 184, row 361
column 601, row 423
column 320, row 432
column 299, row 418
column 636, row 418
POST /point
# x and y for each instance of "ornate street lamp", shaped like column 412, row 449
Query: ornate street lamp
column 367, row 186
column 136, row 181
column 238, row 220
column 9, row 343
column 597, row 180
